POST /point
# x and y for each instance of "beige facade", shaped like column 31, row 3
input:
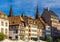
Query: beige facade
column 31, row 29
column 58, row 27
column 54, row 21
column 34, row 28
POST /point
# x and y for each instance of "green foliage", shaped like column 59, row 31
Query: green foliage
column 2, row 36
column 58, row 40
column 49, row 39
column 22, row 37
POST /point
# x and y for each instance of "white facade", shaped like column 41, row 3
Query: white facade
column 33, row 30
column 26, row 32
column 4, row 26
column 14, row 32
column 26, row 29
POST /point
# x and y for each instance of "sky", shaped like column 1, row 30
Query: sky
column 28, row 7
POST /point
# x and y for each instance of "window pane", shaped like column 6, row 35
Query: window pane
column 2, row 30
column 5, row 31
column 6, row 23
column 2, row 23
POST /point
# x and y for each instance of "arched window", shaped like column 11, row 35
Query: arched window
column 2, row 23
column 6, row 24
column 2, row 30
column 6, row 31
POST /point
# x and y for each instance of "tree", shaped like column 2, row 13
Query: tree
column 2, row 36
column 58, row 40
column 49, row 39
column 22, row 37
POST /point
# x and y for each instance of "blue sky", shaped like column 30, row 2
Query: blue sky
column 29, row 6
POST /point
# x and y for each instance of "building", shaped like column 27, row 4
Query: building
column 26, row 26
column 4, row 24
column 58, row 28
column 44, row 28
column 31, row 28
column 36, row 27
column 50, row 17
column 27, row 32
column 40, row 24
column 22, row 30
column 14, row 25
column 53, row 20
column 48, row 31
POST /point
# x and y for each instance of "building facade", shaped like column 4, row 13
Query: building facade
column 45, row 29
column 14, row 25
column 4, row 24
column 53, row 20
column 50, row 18
column 31, row 28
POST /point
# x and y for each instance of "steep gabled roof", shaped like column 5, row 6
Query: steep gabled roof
column 50, row 12
column 3, row 16
column 15, row 20
column 41, row 19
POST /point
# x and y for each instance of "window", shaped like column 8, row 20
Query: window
column 16, row 31
column 22, row 24
column 34, row 34
column 34, row 30
column 14, row 26
column 6, row 24
column 26, row 29
column 2, row 30
column 5, row 31
column 29, row 34
column 29, row 30
column 2, row 23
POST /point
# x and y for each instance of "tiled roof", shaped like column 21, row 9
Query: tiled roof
column 2, row 13
column 50, row 12
column 29, row 17
column 15, row 20
column 3, row 16
column 41, row 19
